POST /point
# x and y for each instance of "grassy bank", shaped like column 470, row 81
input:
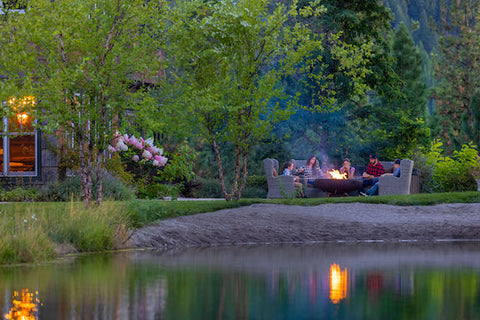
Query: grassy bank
column 31, row 232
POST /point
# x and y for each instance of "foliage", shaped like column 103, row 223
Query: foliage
column 331, row 133
column 452, row 173
column 457, row 68
column 20, row 194
column 24, row 239
column 70, row 188
column 32, row 230
column 80, row 60
column 142, row 164
column 394, row 127
column 89, row 229
column 228, row 60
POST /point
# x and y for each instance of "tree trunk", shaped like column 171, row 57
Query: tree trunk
column 99, row 178
column 237, row 173
column 220, row 170
column 85, row 173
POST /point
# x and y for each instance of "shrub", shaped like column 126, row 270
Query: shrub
column 70, row 189
column 451, row 173
column 140, row 163
column 208, row 188
column 20, row 194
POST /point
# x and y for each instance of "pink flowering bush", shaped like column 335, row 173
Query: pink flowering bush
column 145, row 166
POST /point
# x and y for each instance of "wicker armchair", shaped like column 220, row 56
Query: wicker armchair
column 278, row 186
column 388, row 184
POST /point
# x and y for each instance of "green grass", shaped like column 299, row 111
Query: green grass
column 31, row 231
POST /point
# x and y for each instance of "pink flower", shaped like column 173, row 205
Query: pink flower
column 147, row 155
column 111, row 149
column 163, row 160
column 135, row 158
column 155, row 163
column 151, row 150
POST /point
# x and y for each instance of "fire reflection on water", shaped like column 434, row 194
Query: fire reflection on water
column 25, row 306
column 338, row 283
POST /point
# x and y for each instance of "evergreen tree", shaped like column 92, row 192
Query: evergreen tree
column 458, row 70
column 397, row 126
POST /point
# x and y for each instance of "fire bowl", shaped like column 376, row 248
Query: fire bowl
column 338, row 186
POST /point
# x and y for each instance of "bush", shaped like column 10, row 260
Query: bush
column 113, row 189
column 207, row 188
column 138, row 162
column 20, row 194
column 450, row 173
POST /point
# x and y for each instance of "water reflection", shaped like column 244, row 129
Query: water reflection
column 25, row 306
column 362, row 281
column 338, row 283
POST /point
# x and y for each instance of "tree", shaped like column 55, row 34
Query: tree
column 229, row 58
column 331, row 134
column 80, row 59
column 458, row 70
column 397, row 126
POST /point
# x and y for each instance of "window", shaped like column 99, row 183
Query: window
column 18, row 148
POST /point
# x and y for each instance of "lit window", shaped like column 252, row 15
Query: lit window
column 18, row 148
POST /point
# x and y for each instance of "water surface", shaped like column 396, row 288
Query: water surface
column 317, row 281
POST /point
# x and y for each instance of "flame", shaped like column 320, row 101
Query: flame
column 338, row 283
column 335, row 174
column 25, row 307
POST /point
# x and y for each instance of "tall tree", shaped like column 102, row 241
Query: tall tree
column 230, row 58
column 79, row 59
column 458, row 71
column 401, row 121
column 359, row 23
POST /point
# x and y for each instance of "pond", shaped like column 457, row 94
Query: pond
column 316, row 281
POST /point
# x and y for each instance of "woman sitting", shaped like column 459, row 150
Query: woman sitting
column 347, row 168
column 311, row 170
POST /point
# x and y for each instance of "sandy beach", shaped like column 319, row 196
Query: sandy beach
column 352, row 222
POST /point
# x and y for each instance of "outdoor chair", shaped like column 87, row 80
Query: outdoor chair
column 279, row 186
column 388, row 184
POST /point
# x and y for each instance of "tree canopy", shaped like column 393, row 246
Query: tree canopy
column 80, row 60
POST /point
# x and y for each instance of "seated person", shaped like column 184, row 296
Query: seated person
column 347, row 168
column 396, row 173
column 311, row 170
column 287, row 171
column 374, row 170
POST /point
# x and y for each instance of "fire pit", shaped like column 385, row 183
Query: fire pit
column 337, row 183
column 338, row 186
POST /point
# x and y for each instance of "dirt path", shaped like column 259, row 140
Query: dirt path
column 270, row 223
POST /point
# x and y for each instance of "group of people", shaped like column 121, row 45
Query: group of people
column 311, row 171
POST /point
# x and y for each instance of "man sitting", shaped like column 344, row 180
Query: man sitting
column 396, row 173
column 374, row 170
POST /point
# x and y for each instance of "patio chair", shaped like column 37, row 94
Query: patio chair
column 388, row 184
column 278, row 186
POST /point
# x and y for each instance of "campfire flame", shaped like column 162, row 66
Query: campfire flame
column 338, row 283
column 335, row 174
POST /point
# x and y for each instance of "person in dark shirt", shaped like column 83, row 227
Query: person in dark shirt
column 396, row 173
column 374, row 170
